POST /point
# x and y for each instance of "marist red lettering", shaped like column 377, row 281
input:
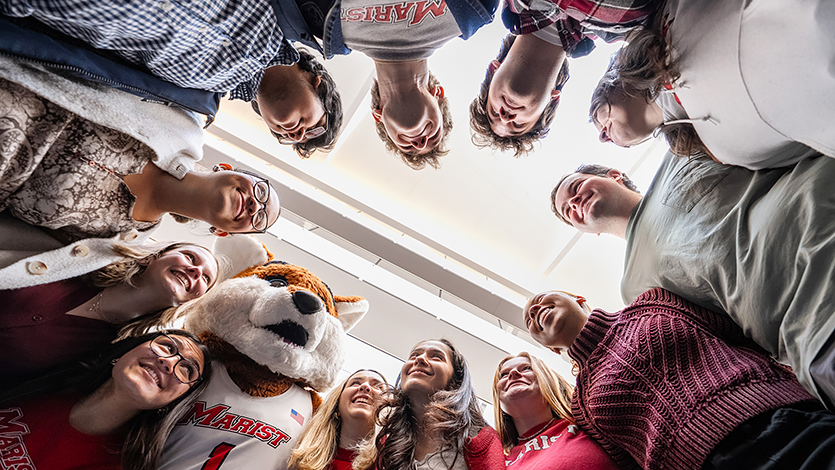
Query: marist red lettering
column 218, row 417
column 13, row 455
column 396, row 12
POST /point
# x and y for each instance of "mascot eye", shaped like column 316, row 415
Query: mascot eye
column 278, row 283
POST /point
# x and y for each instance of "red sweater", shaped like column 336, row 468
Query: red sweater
column 662, row 382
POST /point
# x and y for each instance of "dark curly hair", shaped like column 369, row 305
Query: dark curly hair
column 641, row 69
column 483, row 134
column 331, row 103
column 453, row 414
column 415, row 160
column 590, row 169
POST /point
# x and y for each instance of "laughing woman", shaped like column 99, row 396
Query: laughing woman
column 343, row 421
column 532, row 406
column 111, row 412
column 66, row 309
column 666, row 384
column 432, row 420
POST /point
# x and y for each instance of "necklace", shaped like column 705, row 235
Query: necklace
column 532, row 435
column 96, row 309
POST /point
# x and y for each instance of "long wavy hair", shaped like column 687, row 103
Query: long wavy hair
column 555, row 389
column 453, row 414
column 317, row 444
column 129, row 270
column 641, row 69
column 148, row 430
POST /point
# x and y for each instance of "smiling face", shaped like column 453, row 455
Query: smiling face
column 626, row 120
column 427, row 370
column 413, row 121
column 554, row 319
column 517, row 387
column 359, row 399
column 289, row 104
column 181, row 274
column 235, row 203
column 147, row 381
column 595, row 204
column 513, row 108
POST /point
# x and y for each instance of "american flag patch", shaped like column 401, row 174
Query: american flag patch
column 297, row 416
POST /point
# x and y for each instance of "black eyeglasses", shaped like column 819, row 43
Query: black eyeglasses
column 185, row 370
column 309, row 134
column 261, row 191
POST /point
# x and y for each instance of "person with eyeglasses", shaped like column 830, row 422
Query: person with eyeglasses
column 120, row 189
column 111, row 411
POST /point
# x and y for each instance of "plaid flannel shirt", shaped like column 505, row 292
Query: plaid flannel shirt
column 213, row 45
column 578, row 22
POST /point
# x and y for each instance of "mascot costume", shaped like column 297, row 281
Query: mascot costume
column 277, row 335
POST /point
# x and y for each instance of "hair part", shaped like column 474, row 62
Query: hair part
column 588, row 169
column 483, row 134
column 555, row 390
column 414, row 160
column 453, row 414
column 331, row 102
column 148, row 430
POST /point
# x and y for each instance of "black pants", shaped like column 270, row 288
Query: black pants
column 801, row 436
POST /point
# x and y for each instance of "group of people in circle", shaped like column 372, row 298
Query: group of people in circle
column 722, row 359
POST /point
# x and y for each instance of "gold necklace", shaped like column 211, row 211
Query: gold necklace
column 538, row 432
column 96, row 309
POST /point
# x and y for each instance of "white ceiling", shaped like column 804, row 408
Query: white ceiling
column 477, row 235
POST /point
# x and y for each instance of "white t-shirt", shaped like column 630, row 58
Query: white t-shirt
column 235, row 430
column 397, row 31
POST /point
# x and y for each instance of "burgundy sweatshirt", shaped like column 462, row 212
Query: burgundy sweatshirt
column 662, row 382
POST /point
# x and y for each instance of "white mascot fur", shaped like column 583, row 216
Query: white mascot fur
column 277, row 334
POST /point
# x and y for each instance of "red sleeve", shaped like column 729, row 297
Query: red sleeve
column 484, row 452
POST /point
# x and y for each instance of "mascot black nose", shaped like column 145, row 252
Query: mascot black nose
column 306, row 302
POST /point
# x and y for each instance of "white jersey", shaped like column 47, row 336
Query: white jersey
column 227, row 429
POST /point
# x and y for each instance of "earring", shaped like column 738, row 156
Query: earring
column 221, row 167
column 580, row 299
column 162, row 411
column 219, row 233
column 114, row 361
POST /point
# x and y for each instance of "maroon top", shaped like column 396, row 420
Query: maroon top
column 36, row 333
column 662, row 382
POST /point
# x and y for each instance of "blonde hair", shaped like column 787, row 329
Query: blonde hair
column 555, row 389
column 317, row 444
column 128, row 270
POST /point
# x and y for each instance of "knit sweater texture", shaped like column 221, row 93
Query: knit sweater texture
column 662, row 382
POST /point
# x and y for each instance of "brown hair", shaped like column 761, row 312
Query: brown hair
column 416, row 161
column 149, row 429
column 641, row 69
column 331, row 102
column 555, row 389
column 453, row 414
column 590, row 169
column 483, row 134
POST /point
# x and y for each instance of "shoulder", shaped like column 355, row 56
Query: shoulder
column 484, row 451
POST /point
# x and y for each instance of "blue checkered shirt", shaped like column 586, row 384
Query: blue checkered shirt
column 214, row 45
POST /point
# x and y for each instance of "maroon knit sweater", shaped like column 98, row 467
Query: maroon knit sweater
column 662, row 382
